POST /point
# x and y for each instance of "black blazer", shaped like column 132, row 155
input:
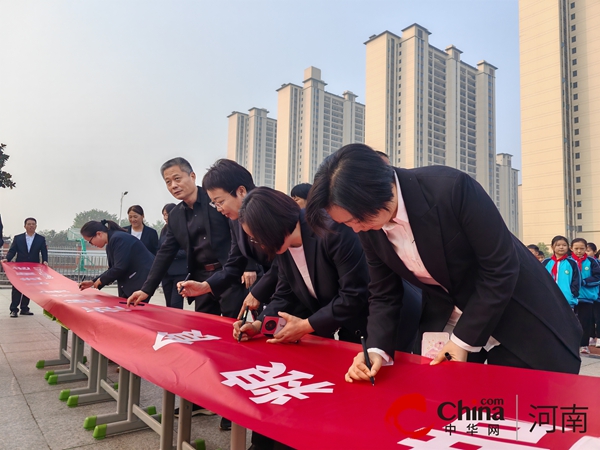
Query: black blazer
column 338, row 271
column 149, row 238
column 217, row 230
column 19, row 248
column 129, row 262
column 501, row 288
column 242, row 258
column 179, row 264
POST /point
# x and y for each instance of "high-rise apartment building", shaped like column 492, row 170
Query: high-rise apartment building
column 251, row 142
column 506, row 192
column 311, row 125
column 560, row 118
column 427, row 107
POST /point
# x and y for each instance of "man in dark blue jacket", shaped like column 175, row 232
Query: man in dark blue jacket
column 28, row 247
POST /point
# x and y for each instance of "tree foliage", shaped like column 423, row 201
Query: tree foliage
column 57, row 239
column 5, row 177
column 544, row 248
column 93, row 214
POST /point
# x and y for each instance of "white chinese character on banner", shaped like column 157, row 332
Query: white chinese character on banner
column 267, row 384
column 106, row 309
column 31, row 279
column 185, row 337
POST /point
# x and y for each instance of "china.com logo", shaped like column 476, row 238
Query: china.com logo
column 482, row 409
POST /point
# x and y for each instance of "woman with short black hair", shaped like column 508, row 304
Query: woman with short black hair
column 323, row 281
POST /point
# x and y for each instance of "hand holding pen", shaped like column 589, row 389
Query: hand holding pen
column 180, row 284
column 244, row 318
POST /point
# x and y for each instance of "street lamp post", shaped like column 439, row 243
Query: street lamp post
column 123, row 194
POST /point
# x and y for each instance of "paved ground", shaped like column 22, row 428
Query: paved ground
column 32, row 417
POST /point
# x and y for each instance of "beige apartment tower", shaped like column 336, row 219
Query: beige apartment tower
column 427, row 107
column 506, row 195
column 312, row 124
column 251, row 142
column 560, row 119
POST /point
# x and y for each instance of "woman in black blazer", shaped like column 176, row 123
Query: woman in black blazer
column 323, row 280
column 144, row 233
column 129, row 261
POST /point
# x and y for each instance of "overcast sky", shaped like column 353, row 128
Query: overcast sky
column 95, row 95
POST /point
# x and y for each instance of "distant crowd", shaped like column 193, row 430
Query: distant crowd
column 576, row 270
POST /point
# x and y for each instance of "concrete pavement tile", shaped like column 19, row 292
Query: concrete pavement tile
column 126, row 441
column 10, row 386
column 25, row 346
column 28, row 337
column 18, row 428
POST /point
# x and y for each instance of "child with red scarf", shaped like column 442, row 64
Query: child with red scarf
column 588, row 294
column 564, row 270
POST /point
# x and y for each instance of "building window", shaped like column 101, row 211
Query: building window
column 572, row 16
column 578, row 216
column 575, row 96
column 578, row 204
column 574, row 50
column 579, row 229
column 575, row 85
column 576, row 108
column 576, row 120
column 577, row 167
column 576, row 155
column 572, row 5
column 577, row 131
column 574, row 73
column 574, row 39
column 573, row 27
column 578, row 192
column 577, row 145
column 577, row 179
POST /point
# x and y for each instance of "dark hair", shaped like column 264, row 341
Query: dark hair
column 271, row 216
column 227, row 175
column 541, row 253
column 301, row 190
column 533, row 247
column 354, row 178
column 555, row 239
column 89, row 229
column 136, row 209
column 574, row 241
column 29, row 218
column 183, row 164
column 168, row 207
column 592, row 247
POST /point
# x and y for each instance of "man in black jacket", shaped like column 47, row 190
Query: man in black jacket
column 28, row 247
column 197, row 227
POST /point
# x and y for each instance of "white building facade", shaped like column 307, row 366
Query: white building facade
column 251, row 142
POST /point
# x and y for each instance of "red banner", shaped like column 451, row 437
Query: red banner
column 297, row 395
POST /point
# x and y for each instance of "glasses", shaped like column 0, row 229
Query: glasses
column 219, row 204
column 91, row 239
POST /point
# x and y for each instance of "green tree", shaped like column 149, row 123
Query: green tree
column 5, row 177
column 93, row 214
column 56, row 239
column 544, row 248
column 158, row 225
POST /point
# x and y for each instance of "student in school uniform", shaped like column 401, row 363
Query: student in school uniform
column 588, row 293
column 564, row 270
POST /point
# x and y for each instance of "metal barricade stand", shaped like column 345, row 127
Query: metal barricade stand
column 98, row 390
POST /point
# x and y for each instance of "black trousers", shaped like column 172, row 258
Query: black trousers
column 172, row 296
column 19, row 299
column 227, row 304
column 596, row 329
column 585, row 314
